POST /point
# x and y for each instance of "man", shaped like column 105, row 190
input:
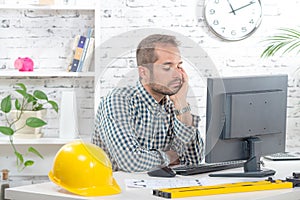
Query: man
column 150, row 125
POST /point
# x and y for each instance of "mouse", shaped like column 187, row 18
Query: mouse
column 162, row 172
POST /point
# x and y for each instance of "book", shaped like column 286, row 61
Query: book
column 86, row 45
column 71, row 54
column 78, row 53
column 89, row 56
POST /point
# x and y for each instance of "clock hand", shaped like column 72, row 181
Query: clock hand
column 251, row 2
column 232, row 10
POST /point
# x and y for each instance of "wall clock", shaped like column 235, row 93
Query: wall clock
column 233, row 19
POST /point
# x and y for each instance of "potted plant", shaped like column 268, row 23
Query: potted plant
column 28, row 103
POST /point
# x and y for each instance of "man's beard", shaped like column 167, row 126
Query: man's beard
column 165, row 90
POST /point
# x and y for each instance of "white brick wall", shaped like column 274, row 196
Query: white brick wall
column 46, row 37
column 186, row 18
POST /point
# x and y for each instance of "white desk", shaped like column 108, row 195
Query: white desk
column 50, row 191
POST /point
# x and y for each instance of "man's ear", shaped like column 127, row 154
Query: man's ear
column 143, row 72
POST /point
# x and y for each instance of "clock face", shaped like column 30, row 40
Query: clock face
column 233, row 19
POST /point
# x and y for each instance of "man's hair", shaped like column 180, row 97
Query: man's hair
column 145, row 53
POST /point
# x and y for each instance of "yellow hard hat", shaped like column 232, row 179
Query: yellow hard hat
column 84, row 169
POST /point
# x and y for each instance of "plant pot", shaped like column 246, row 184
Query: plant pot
column 27, row 132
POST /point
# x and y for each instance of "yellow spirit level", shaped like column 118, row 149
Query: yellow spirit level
column 222, row 189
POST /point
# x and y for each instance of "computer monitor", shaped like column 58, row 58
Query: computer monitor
column 245, row 119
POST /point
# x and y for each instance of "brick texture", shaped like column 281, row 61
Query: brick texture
column 121, row 20
column 46, row 36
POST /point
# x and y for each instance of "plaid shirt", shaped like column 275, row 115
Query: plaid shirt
column 135, row 131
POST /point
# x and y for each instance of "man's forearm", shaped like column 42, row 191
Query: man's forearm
column 186, row 118
column 189, row 153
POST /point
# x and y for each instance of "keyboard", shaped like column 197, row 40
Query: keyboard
column 207, row 167
column 284, row 156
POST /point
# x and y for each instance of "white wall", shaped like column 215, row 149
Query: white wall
column 38, row 33
column 128, row 21
column 46, row 36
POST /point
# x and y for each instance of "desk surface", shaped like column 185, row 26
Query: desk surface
column 50, row 191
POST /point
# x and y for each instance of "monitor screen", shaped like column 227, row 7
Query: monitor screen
column 245, row 119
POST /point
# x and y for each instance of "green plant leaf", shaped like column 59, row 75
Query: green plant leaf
column 22, row 92
column 40, row 95
column 22, row 86
column 35, row 122
column 30, row 98
column 54, row 105
column 286, row 41
column 37, row 106
column 34, row 151
column 17, row 104
column 28, row 163
column 20, row 159
column 6, row 130
column 6, row 104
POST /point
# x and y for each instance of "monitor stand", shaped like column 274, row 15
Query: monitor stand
column 252, row 165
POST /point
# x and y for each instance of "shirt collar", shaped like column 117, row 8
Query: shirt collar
column 148, row 99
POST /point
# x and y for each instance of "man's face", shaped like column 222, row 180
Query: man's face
column 166, row 76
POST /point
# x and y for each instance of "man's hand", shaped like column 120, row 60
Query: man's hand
column 174, row 159
column 179, row 99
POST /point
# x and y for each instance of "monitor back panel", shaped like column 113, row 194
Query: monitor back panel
column 241, row 107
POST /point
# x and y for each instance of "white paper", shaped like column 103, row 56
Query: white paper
column 162, row 183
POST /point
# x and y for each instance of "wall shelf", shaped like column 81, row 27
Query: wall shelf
column 44, row 73
column 51, row 141
column 47, row 7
